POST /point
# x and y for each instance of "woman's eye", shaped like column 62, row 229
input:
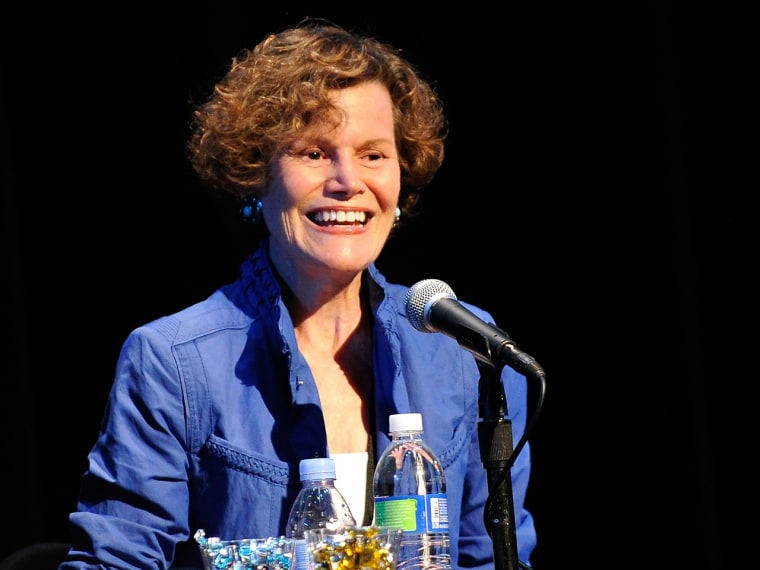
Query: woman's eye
column 314, row 155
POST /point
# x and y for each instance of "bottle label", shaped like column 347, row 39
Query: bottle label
column 413, row 513
column 302, row 559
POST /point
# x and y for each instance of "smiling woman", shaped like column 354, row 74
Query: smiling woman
column 335, row 169
column 326, row 137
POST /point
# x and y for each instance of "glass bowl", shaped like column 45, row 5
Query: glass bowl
column 271, row 553
column 354, row 548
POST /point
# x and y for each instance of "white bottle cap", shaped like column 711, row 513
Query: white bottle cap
column 317, row 468
column 405, row 422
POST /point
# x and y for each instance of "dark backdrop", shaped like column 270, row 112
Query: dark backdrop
column 599, row 198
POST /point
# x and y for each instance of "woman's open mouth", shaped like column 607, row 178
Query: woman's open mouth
column 339, row 217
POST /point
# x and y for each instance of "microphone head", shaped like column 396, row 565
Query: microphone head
column 420, row 297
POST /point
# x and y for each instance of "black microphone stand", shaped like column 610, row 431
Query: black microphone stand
column 495, row 438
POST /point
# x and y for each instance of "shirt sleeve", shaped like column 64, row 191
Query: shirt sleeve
column 132, row 508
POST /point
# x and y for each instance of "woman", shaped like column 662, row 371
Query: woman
column 326, row 137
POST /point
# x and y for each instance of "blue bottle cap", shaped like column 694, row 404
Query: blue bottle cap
column 317, row 468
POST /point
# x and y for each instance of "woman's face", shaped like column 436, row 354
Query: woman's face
column 330, row 206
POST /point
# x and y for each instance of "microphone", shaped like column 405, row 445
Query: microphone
column 431, row 306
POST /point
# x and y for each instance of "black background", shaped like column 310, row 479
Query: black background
column 599, row 198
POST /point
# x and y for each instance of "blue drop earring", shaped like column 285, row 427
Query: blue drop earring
column 251, row 209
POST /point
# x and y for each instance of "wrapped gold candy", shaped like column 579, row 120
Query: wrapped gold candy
column 354, row 548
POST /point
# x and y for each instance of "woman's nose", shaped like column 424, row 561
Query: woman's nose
column 345, row 177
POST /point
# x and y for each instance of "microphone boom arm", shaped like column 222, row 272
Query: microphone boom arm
column 496, row 448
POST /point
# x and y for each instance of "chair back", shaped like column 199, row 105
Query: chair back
column 36, row 556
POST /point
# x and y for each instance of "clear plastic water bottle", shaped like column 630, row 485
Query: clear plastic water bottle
column 410, row 493
column 319, row 504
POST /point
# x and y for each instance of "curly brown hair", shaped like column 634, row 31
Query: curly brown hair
column 272, row 92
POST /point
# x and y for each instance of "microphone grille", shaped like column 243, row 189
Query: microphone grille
column 419, row 297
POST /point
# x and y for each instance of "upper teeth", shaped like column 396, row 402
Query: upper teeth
column 339, row 216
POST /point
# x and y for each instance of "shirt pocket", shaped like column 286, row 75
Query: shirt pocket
column 240, row 491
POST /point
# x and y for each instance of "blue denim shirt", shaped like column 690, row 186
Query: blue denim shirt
column 213, row 407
